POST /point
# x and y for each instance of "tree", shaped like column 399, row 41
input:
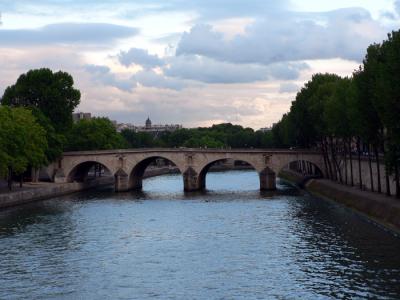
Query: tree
column 137, row 139
column 387, row 98
column 52, row 93
column 22, row 142
column 203, row 142
column 94, row 134
column 56, row 141
column 339, row 118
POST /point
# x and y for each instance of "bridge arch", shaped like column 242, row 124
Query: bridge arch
column 137, row 171
column 304, row 167
column 308, row 163
column 80, row 171
column 206, row 168
column 266, row 175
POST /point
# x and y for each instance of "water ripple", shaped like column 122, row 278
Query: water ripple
column 231, row 242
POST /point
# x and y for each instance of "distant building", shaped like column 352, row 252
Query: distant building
column 156, row 129
column 265, row 129
column 148, row 123
column 81, row 116
column 149, row 127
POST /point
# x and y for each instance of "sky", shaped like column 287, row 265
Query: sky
column 195, row 63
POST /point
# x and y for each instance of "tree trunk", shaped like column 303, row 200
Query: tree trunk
column 378, row 168
column 325, row 160
column 359, row 163
column 329, row 161
column 396, row 172
column 370, row 168
column 21, row 180
column 345, row 162
column 9, row 179
column 338, row 172
column 386, row 173
column 334, row 171
column 351, row 164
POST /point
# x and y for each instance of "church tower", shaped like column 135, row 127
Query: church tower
column 148, row 123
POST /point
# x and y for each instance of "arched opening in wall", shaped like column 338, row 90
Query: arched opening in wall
column 229, row 174
column 303, row 168
column 156, row 173
column 89, row 171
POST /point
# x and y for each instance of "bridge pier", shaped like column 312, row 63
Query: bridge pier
column 59, row 176
column 267, row 180
column 191, row 182
column 121, row 181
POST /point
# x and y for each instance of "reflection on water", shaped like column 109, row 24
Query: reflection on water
column 230, row 242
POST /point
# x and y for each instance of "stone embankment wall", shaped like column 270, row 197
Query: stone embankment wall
column 46, row 190
column 379, row 208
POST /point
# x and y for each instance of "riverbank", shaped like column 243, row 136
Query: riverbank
column 378, row 208
column 45, row 190
column 32, row 192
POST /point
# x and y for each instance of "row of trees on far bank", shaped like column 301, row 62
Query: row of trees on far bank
column 351, row 116
column 217, row 136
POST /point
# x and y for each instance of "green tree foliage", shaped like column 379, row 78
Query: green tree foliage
column 334, row 114
column 56, row 141
column 217, row 136
column 22, row 141
column 94, row 134
column 204, row 141
column 138, row 139
column 52, row 93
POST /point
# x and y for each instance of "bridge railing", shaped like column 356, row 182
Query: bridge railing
column 183, row 149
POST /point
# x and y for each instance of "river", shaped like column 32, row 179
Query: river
column 231, row 242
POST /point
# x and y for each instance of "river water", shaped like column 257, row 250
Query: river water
column 231, row 242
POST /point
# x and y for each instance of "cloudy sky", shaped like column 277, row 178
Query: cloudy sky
column 193, row 62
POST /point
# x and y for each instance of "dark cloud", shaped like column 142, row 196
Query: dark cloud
column 66, row 33
column 288, row 37
column 139, row 57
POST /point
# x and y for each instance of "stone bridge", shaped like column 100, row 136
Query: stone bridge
column 128, row 166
